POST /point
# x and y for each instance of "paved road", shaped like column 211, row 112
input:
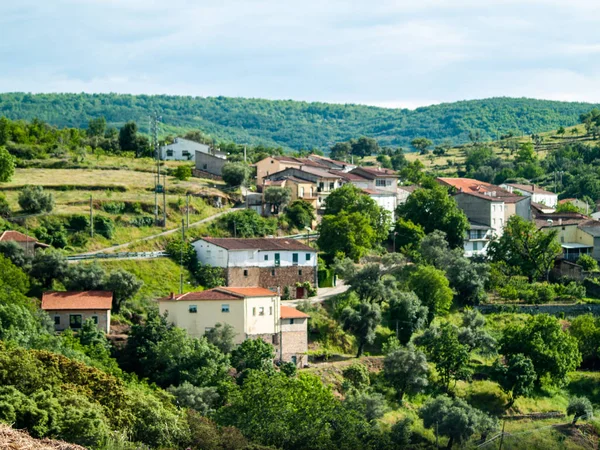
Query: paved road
column 164, row 233
column 324, row 294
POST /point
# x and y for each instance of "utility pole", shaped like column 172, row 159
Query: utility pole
column 165, row 199
column 502, row 435
column 91, row 217
column 187, row 211
column 181, row 258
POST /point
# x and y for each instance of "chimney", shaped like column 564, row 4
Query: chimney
column 560, row 222
column 532, row 187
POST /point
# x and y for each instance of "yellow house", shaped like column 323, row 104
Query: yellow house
column 274, row 164
column 577, row 235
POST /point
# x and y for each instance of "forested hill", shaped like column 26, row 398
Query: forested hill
column 298, row 125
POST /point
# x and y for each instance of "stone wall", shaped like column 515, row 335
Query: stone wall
column 295, row 343
column 204, row 174
column 554, row 310
column 263, row 277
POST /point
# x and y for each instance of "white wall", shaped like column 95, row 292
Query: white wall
column 179, row 147
column 386, row 202
column 256, row 258
column 262, row 324
column 391, row 184
column 546, row 199
column 210, row 254
column 469, row 248
column 497, row 217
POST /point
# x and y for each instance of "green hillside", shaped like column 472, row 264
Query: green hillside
column 298, row 125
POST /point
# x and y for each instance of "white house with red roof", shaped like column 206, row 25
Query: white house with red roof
column 279, row 264
column 253, row 312
column 537, row 194
column 72, row 309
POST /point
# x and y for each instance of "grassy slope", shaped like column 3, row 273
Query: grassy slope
column 295, row 124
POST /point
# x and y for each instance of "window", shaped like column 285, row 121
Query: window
column 205, row 166
column 56, row 320
column 193, row 309
column 254, row 311
column 300, row 272
column 245, row 272
column 308, row 256
column 475, row 246
column 291, row 321
column 169, row 152
column 266, row 257
column 75, row 321
column 301, row 192
column 295, row 258
column 277, row 259
column 261, row 311
column 270, row 310
column 272, row 161
column 185, row 153
column 380, row 183
column 331, row 186
column 224, row 308
column 294, row 360
column 95, row 319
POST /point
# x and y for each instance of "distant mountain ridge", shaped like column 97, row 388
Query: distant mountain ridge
column 296, row 124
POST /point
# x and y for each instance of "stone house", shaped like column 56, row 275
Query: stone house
column 28, row 243
column 72, row 309
column 210, row 164
column 271, row 263
column 253, row 312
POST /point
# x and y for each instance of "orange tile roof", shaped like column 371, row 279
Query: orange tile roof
column 249, row 291
column 481, row 189
column 17, row 236
column 287, row 312
column 53, row 301
column 211, row 294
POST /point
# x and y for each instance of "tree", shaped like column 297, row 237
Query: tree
column 455, row 419
column 183, row 173
column 235, row 174
column 277, row 197
column 586, row 329
column 14, row 252
column 96, row 127
column 124, row 285
column 364, row 147
column 553, row 352
column 361, row 321
column 49, row 265
column 407, row 235
column 401, row 433
column 85, row 277
column 4, row 206
column 561, row 130
column 580, row 408
column 222, row 336
column 525, row 248
column 413, row 172
column 526, row 153
column 516, row 376
column 357, row 376
column 351, row 199
column 406, row 369
column 474, row 335
column 432, row 288
column 128, row 136
column 33, row 199
column 434, row 209
column 406, row 315
column 252, row 354
column 350, row 234
column 444, row 348
column 588, row 263
column 7, row 165
column 371, row 405
column 201, row 399
column 421, row 144
column 341, row 151
column 247, row 223
column 300, row 214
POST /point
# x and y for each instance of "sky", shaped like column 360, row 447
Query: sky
column 403, row 53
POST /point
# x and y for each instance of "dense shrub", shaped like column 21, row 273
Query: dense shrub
column 104, row 226
column 142, row 221
column 34, row 200
column 114, row 207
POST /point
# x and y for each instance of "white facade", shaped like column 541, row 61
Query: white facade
column 387, row 202
column 477, row 242
column 497, row 210
column 537, row 196
column 182, row 150
column 213, row 255
column 249, row 316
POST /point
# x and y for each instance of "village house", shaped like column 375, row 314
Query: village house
column 275, row 164
column 576, row 233
column 28, row 243
column 332, row 164
column 378, row 178
column 271, row 263
column 578, row 203
column 537, row 194
column 72, row 309
column 253, row 312
column 182, row 150
column 209, row 165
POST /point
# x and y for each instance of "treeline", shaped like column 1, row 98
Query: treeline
column 298, row 125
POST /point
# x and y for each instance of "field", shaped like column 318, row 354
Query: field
column 106, row 185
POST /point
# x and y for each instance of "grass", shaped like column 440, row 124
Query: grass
column 160, row 276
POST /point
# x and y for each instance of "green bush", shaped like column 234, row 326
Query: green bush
column 114, row 207
column 78, row 222
column 142, row 221
column 183, row 173
column 588, row 263
column 104, row 226
column 33, row 199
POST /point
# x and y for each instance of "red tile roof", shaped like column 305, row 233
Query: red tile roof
column 53, row 301
column 481, row 189
column 375, row 172
column 221, row 293
column 530, row 188
column 348, row 176
column 287, row 312
column 16, row 236
column 249, row 291
column 259, row 244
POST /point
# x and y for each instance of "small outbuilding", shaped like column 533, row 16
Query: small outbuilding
column 72, row 309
